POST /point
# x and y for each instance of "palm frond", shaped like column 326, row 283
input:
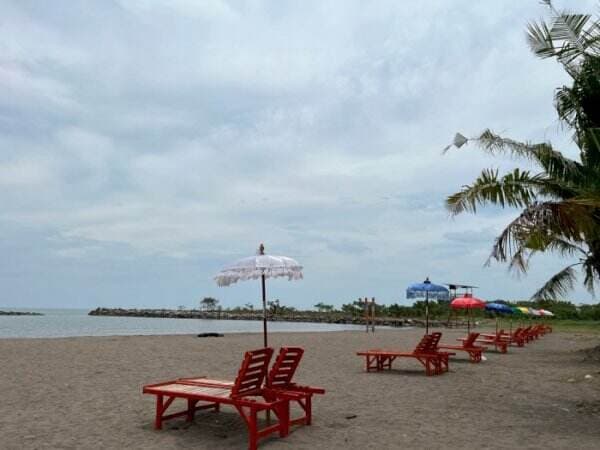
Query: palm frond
column 515, row 189
column 564, row 247
column 552, row 161
column 519, row 261
column 557, row 286
column 540, row 40
column 590, row 275
column 569, row 38
column 541, row 224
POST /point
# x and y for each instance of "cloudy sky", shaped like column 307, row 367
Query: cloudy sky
column 147, row 143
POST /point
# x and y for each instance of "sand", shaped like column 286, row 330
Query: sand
column 85, row 393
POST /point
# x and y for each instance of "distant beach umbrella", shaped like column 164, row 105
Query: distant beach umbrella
column 535, row 312
column 499, row 308
column 545, row 312
column 260, row 266
column 427, row 290
column 468, row 302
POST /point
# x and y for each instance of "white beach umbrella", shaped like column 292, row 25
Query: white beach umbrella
column 260, row 266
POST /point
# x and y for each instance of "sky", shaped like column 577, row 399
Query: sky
column 146, row 144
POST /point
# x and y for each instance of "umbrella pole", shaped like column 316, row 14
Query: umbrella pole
column 468, row 320
column 264, row 300
column 426, row 312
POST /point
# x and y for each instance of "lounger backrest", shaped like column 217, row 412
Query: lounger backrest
column 285, row 366
column 470, row 340
column 252, row 373
column 435, row 339
column 425, row 345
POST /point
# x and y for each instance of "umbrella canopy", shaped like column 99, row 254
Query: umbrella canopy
column 427, row 290
column 545, row 312
column 254, row 267
column 522, row 310
column 499, row 308
column 468, row 302
column 260, row 266
column 535, row 312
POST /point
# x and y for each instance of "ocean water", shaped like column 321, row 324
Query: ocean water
column 76, row 322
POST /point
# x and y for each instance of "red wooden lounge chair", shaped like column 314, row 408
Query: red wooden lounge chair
column 280, row 383
column 468, row 346
column 424, row 352
column 518, row 337
column 444, row 356
column 497, row 340
column 246, row 394
column 280, row 380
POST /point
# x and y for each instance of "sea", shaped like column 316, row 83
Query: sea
column 57, row 323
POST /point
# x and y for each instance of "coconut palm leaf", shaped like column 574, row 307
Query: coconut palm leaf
column 558, row 285
column 552, row 161
column 540, row 40
column 590, row 275
column 515, row 189
column 542, row 226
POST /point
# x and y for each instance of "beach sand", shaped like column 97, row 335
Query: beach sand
column 85, row 393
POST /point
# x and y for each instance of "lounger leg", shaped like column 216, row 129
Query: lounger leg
column 252, row 430
column 309, row 410
column 283, row 415
column 159, row 412
column 191, row 409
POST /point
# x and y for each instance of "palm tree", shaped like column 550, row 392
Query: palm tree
column 560, row 203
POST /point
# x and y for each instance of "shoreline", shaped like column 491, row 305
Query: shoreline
column 195, row 335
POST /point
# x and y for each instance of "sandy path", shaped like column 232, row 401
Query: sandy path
column 85, row 393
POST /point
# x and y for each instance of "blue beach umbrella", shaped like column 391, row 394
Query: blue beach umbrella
column 427, row 290
column 499, row 308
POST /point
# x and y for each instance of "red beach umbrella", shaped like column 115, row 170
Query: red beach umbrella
column 468, row 302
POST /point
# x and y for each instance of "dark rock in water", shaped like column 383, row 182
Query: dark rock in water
column 210, row 335
column 19, row 313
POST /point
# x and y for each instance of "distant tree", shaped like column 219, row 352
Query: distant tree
column 355, row 308
column 208, row 303
column 323, row 307
column 274, row 306
column 249, row 306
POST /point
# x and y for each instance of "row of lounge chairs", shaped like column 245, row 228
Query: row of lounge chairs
column 434, row 356
column 256, row 389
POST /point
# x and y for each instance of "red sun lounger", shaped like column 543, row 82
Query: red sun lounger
column 280, row 380
column 424, row 352
column 280, row 383
column 246, row 394
column 517, row 337
column 474, row 351
column 497, row 340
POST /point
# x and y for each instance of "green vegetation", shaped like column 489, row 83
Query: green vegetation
column 561, row 202
column 208, row 303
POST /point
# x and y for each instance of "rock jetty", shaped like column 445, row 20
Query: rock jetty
column 19, row 313
column 256, row 315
